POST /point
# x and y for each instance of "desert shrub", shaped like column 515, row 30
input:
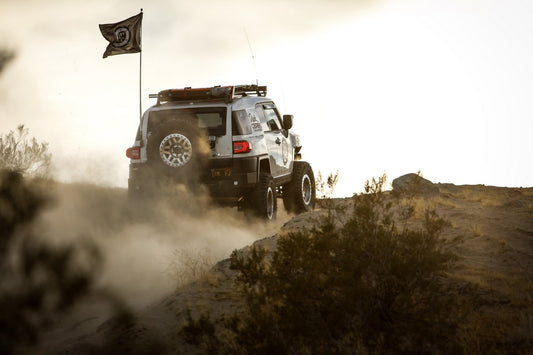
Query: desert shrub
column 201, row 332
column 38, row 279
column 6, row 56
column 326, row 187
column 189, row 265
column 363, row 287
column 20, row 153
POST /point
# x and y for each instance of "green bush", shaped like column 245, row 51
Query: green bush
column 364, row 287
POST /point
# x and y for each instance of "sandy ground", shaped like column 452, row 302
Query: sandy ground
column 494, row 227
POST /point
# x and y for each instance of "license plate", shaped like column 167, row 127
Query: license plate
column 224, row 172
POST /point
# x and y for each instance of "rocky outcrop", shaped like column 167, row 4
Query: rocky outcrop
column 414, row 184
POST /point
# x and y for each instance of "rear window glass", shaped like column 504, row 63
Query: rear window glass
column 213, row 119
column 209, row 119
column 240, row 123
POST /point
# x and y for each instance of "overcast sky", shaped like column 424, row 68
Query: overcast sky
column 384, row 86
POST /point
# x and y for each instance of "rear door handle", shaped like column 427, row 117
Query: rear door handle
column 278, row 141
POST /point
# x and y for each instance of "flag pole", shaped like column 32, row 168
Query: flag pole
column 140, row 76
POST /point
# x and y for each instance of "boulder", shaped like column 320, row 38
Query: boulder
column 414, row 184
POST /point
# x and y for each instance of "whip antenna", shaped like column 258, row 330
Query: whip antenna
column 253, row 57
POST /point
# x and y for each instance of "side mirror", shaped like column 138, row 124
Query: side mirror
column 287, row 121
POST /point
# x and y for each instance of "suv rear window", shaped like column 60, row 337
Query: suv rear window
column 211, row 118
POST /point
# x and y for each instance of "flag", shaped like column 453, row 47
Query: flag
column 124, row 37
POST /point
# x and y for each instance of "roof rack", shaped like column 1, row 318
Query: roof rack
column 226, row 93
column 243, row 90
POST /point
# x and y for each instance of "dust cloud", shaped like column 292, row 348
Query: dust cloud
column 148, row 247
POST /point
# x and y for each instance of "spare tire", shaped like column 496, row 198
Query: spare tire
column 178, row 149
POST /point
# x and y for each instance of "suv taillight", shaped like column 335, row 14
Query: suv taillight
column 241, row 147
column 133, row 152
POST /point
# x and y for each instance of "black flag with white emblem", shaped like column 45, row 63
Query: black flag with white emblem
column 124, row 37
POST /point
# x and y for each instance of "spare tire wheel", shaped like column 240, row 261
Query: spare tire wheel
column 178, row 148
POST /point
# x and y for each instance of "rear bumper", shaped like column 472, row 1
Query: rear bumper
column 231, row 177
column 226, row 179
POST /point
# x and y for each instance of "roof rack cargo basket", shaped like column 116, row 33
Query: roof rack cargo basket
column 226, row 93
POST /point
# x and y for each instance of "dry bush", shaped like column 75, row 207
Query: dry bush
column 188, row 266
column 38, row 280
column 326, row 187
column 6, row 56
column 364, row 287
column 324, row 191
column 20, row 153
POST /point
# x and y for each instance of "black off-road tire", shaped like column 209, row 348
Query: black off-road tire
column 264, row 200
column 299, row 195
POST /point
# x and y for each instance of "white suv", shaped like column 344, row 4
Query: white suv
column 231, row 139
